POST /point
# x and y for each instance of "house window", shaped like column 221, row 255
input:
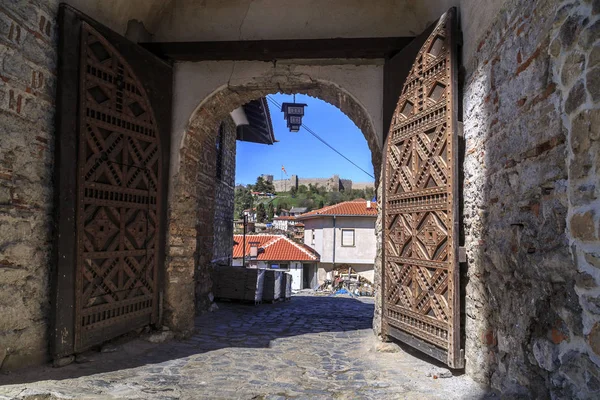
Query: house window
column 219, row 147
column 348, row 237
column 312, row 237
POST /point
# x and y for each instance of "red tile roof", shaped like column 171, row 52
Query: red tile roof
column 285, row 218
column 348, row 208
column 276, row 248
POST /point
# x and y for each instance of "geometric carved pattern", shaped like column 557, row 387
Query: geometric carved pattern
column 119, row 171
column 420, row 271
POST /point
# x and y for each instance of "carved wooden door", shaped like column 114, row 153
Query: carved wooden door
column 112, row 157
column 421, row 271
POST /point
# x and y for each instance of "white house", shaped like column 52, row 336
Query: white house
column 343, row 233
column 284, row 222
column 278, row 252
column 250, row 214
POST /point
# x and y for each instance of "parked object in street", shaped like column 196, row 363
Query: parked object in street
column 286, row 289
column 238, row 283
column 272, row 285
column 279, row 253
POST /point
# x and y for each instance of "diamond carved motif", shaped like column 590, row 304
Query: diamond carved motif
column 400, row 235
column 136, row 109
column 407, row 109
column 101, row 229
column 138, row 229
column 98, row 94
column 432, row 234
column 437, row 91
column 437, row 46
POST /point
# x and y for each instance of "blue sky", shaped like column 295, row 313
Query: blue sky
column 300, row 152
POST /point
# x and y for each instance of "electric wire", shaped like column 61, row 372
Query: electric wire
column 274, row 102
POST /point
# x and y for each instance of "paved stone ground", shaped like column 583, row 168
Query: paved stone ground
column 309, row 348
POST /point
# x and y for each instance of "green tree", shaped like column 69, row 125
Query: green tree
column 270, row 187
column 302, row 189
column 264, row 186
column 259, row 186
column 314, row 189
column 293, row 191
column 333, row 198
column 308, row 203
column 270, row 211
column 321, row 203
column 261, row 213
column 243, row 200
column 282, row 205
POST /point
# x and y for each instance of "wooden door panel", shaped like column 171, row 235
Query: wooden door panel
column 421, row 299
column 112, row 162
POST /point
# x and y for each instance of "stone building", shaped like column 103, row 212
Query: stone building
column 250, row 123
column 527, row 94
column 332, row 184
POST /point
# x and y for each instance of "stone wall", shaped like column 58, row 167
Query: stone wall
column 27, row 90
column 363, row 185
column 332, row 184
column 531, row 165
column 378, row 268
column 224, row 198
column 190, row 240
column 575, row 51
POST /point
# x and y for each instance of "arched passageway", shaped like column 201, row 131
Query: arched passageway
column 192, row 204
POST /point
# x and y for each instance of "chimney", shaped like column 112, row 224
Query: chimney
column 368, row 204
column 254, row 250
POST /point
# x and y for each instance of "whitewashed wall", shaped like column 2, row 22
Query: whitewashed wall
column 365, row 239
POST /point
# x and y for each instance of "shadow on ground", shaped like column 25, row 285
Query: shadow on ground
column 232, row 325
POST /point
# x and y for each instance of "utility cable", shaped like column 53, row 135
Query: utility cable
column 323, row 140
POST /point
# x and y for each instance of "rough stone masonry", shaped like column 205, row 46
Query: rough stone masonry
column 27, row 91
column 531, row 119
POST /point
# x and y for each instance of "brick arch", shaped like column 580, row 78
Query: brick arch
column 191, row 205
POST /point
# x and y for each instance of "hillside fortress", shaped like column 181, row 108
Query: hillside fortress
column 332, row 184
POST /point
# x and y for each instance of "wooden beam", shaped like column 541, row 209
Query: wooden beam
column 270, row 50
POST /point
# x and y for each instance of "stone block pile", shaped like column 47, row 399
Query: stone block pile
column 251, row 284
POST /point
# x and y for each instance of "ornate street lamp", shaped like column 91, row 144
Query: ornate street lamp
column 293, row 113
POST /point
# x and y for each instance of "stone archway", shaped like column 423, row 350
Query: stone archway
column 188, row 281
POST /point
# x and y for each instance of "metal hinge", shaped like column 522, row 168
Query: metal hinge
column 462, row 254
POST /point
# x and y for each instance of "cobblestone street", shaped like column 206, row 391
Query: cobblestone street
column 309, row 348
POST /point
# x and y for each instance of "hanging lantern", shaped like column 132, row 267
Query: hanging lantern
column 293, row 113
